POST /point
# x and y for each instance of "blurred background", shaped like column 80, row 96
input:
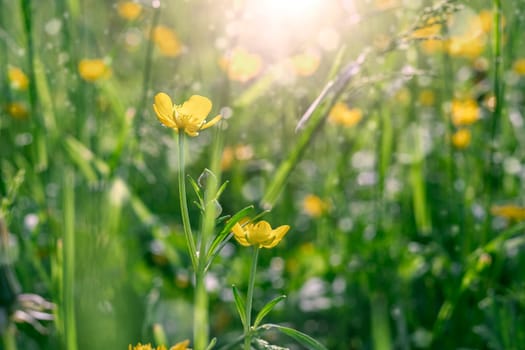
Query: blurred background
column 404, row 190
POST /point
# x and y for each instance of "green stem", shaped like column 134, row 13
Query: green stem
column 249, row 299
column 184, row 205
column 8, row 338
column 68, row 267
column 496, row 114
column 200, row 313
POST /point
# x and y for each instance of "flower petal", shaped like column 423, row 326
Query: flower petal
column 164, row 109
column 212, row 122
column 240, row 235
column 197, row 106
column 279, row 233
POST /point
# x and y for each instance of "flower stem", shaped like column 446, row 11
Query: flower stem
column 184, row 205
column 249, row 299
column 200, row 313
column 8, row 338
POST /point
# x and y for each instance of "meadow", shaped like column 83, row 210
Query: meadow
column 262, row 174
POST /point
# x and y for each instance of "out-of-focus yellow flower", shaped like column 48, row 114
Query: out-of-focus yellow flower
column 129, row 10
column 519, row 66
column 241, row 65
column 314, row 206
column 17, row 110
column 167, row 41
column 461, row 138
column 430, row 29
column 341, row 114
column 189, row 117
column 427, row 98
column 306, row 63
column 93, row 69
column 17, row 78
column 464, row 112
column 183, row 345
column 466, row 46
column 239, row 152
column 486, row 19
column 259, row 234
column 510, row 212
column 432, row 46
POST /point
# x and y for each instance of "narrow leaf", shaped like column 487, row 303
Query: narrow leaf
column 239, row 303
column 302, row 338
column 266, row 309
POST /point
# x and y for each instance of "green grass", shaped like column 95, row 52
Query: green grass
column 407, row 252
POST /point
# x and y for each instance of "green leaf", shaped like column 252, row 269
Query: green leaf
column 302, row 338
column 212, row 344
column 221, row 189
column 239, row 303
column 225, row 231
column 197, row 191
column 266, row 309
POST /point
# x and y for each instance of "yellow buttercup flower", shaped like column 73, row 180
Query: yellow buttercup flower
column 305, row 64
column 129, row 10
column 466, row 46
column 510, row 211
column 241, row 65
column 17, row 78
column 189, row 117
column 464, row 112
column 461, row 138
column 183, row 345
column 17, row 110
column 519, row 66
column 341, row 114
column 167, row 41
column 93, row 69
column 260, row 234
column 314, row 206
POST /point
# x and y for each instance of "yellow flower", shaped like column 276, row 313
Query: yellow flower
column 341, row 114
column 17, row 110
column 189, row 117
column 167, row 41
column 305, row 64
column 314, row 206
column 259, row 234
column 466, row 46
column 93, row 69
column 510, row 211
column 430, row 29
column 17, row 78
column 432, row 46
column 129, row 10
column 464, row 112
column 427, row 98
column 183, row 345
column 241, row 65
column 519, row 66
column 461, row 138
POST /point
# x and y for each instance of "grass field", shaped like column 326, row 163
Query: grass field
column 262, row 174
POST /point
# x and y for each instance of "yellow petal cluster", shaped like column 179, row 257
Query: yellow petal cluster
column 519, row 66
column 259, row 234
column 241, row 65
column 189, row 117
column 93, row 69
column 183, row 345
column 17, row 78
column 167, row 41
column 129, row 10
column 510, row 211
column 314, row 206
column 461, row 138
column 464, row 112
column 341, row 114
column 17, row 110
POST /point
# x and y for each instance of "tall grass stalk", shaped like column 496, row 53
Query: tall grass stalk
column 68, row 266
column 495, row 121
